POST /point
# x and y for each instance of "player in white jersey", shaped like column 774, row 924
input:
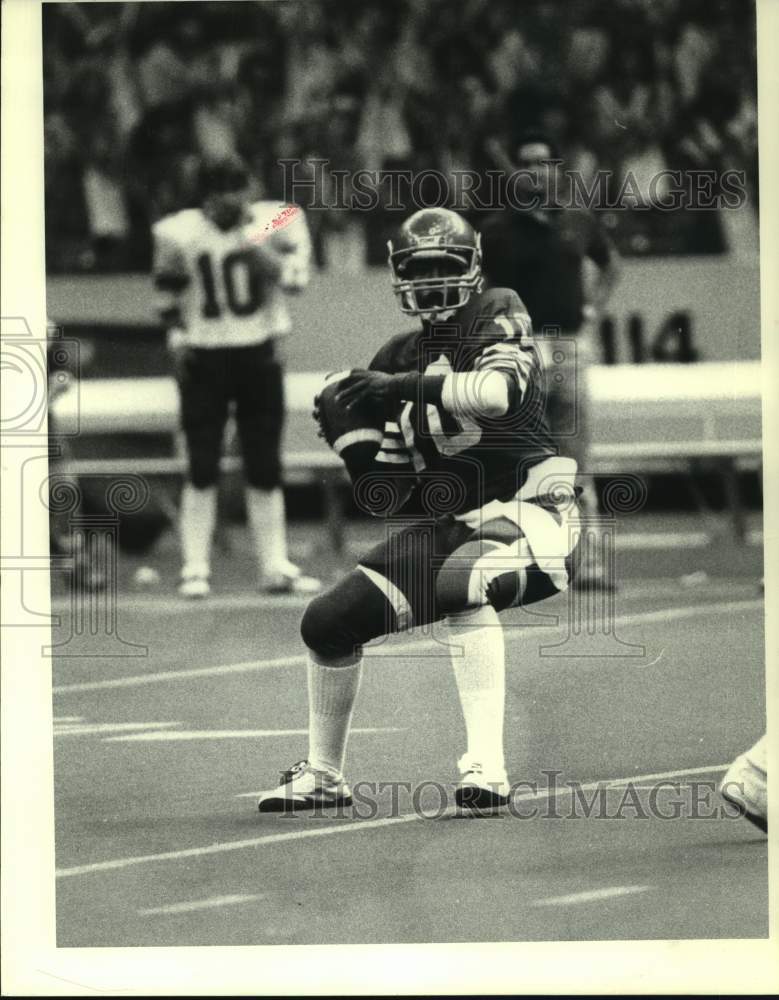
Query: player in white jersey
column 222, row 272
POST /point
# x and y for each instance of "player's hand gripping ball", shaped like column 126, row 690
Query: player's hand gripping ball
column 354, row 432
column 366, row 387
column 340, row 424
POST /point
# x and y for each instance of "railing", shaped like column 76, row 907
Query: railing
column 644, row 418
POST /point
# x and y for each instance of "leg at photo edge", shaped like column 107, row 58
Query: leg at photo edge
column 745, row 784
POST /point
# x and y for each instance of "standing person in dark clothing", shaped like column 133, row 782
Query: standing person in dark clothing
column 541, row 253
column 85, row 572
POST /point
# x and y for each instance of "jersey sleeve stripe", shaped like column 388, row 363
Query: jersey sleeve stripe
column 522, row 359
column 505, row 362
column 524, row 323
column 393, row 457
column 355, row 437
column 507, row 368
column 515, row 327
column 505, row 323
column 513, row 349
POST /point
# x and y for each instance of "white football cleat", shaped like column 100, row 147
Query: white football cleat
column 481, row 788
column 194, row 585
column 288, row 579
column 745, row 787
column 304, row 787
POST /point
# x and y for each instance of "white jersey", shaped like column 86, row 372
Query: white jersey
column 214, row 277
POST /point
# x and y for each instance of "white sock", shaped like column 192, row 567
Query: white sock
column 758, row 754
column 197, row 518
column 267, row 520
column 332, row 691
column 478, row 661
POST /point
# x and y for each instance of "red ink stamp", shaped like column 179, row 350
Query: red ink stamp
column 280, row 220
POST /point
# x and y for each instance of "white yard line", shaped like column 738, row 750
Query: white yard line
column 667, row 587
column 200, row 904
column 398, row 649
column 95, row 728
column 358, row 826
column 153, row 602
column 662, row 540
column 592, row 896
column 230, row 734
column 691, row 611
column 659, row 775
column 183, row 675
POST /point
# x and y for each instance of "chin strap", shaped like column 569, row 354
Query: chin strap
column 438, row 317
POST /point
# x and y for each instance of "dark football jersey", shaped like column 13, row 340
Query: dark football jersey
column 469, row 461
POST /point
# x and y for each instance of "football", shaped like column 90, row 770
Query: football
column 355, row 433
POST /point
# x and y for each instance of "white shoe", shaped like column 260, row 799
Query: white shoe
column 745, row 786
column 481, row 788
column 305, row 787
column 194, row 585
column 288, row 579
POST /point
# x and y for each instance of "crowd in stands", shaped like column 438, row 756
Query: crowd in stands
column 137, row 94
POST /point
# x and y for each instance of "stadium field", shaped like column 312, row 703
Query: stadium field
column 158, row 758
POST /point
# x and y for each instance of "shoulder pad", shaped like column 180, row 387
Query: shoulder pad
column 179, row 226
column 384, row 360
column 495, row 300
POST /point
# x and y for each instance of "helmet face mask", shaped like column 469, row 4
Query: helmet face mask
column 435, row 263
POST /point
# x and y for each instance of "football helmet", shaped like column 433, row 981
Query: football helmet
column 222, row 177
column 435, row 262
column 224, row 191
